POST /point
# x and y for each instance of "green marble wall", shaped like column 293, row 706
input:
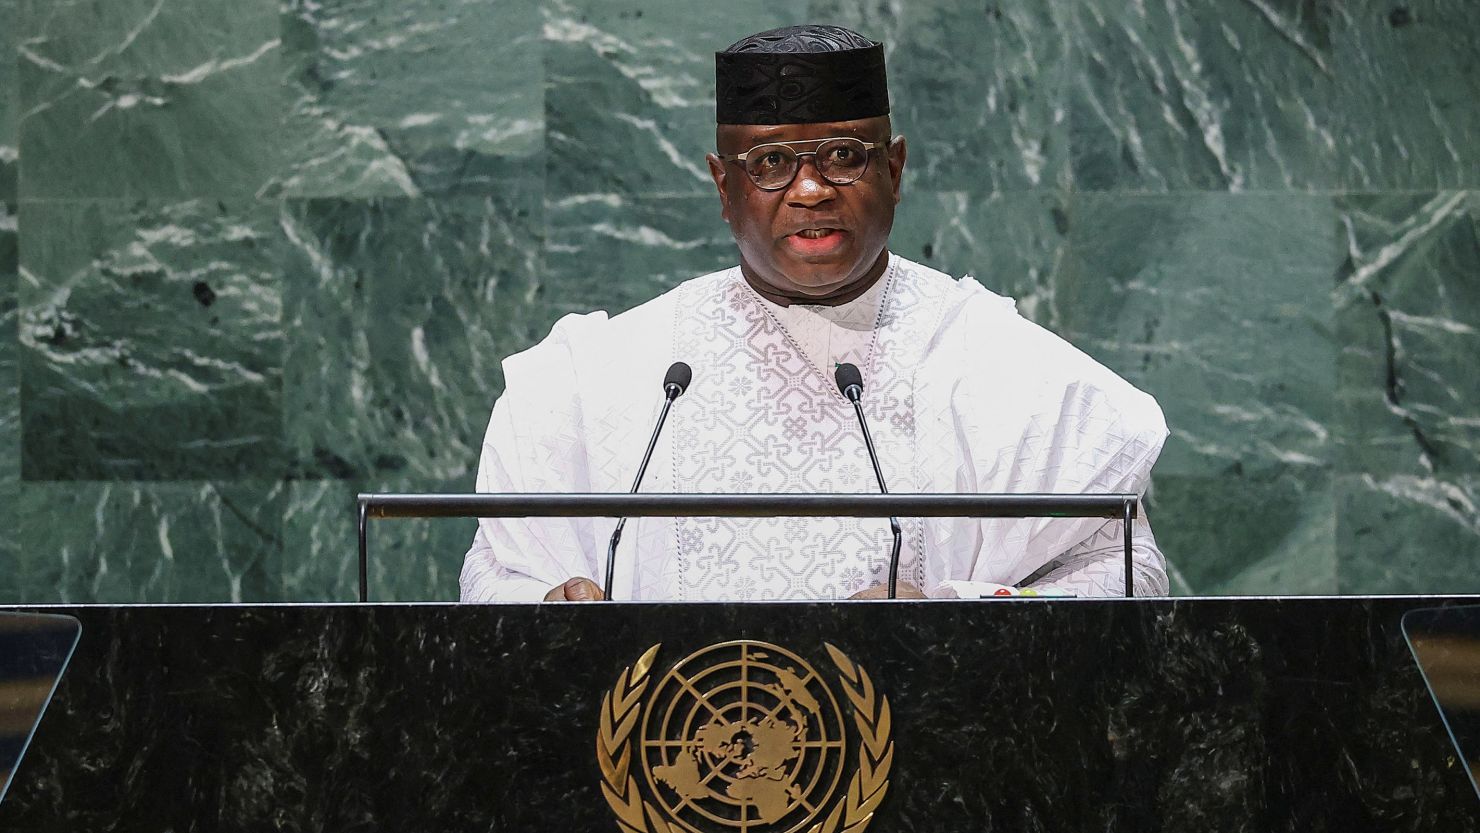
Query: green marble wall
column 258, row 256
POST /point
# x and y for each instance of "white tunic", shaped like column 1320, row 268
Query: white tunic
column 962, row 395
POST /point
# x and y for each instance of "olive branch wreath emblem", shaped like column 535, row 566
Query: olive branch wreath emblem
column 621, row 707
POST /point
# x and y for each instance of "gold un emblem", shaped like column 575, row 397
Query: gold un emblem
column 743, row 736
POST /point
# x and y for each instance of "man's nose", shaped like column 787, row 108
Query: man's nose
column 809, row 188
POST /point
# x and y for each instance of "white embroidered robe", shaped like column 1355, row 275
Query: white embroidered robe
column 962, row 395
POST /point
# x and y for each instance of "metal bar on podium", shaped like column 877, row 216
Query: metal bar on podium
column 1127, row 517
column 650, row 505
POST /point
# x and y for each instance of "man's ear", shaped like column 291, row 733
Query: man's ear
column 717, row 173
column 897, row 154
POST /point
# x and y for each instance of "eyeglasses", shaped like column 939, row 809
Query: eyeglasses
column 774, row 165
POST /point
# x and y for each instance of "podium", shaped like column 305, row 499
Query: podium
column 1033, row 714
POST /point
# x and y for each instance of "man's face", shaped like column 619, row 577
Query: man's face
column 811, row 239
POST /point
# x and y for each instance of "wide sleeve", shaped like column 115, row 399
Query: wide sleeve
column 1030, row 413
column 534, row 443
column 1096, row 566
column 1098, row 437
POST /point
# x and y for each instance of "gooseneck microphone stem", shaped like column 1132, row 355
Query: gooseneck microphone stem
column 674, row 384
column 611, row 548
column 894, row 530
column 850, row 383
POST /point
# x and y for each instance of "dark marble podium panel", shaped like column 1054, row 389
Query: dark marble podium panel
column 1178, row 715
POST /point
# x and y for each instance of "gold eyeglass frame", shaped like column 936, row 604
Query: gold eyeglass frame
column 868, row 148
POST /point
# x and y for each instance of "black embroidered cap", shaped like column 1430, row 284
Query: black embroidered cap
column 800, row 74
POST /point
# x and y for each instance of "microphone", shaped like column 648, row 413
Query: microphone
column 675, row 382
column 850, row 384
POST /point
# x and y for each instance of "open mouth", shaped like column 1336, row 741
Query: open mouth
column 818, row 242
column 816, row 233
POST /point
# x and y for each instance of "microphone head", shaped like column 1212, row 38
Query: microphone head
column 678, row 376
column 847, row 376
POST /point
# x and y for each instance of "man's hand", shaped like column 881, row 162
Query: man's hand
column 575, row 590
column 903, row 590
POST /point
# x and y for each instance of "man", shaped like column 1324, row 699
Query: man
column 962, row 394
